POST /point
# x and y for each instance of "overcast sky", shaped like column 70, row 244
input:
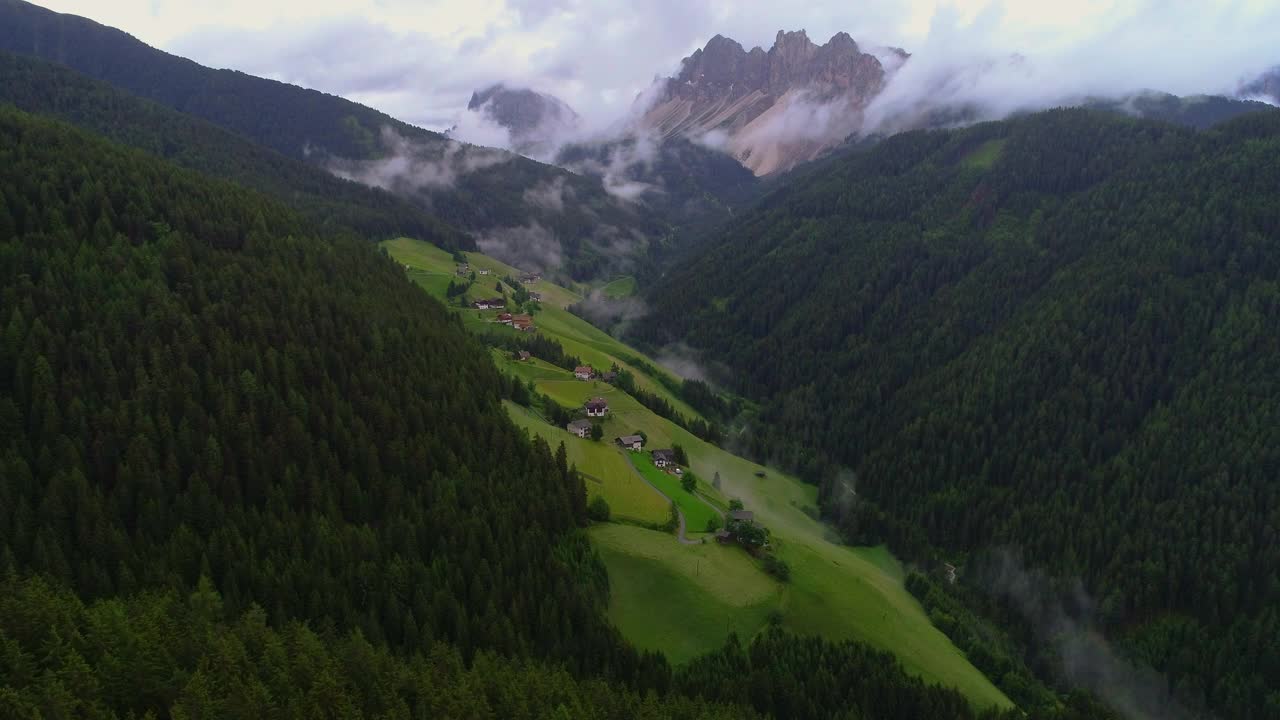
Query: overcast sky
column 419, row 60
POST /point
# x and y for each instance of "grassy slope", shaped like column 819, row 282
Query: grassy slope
column 682, row 599
column 620, row 288
column 607, row 473
column 659, row 599
column 433, row 269
column 696, row 512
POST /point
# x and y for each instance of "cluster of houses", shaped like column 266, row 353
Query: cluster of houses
column 523, row 323
column 586, row 372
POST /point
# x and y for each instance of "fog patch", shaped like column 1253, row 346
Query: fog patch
column 530, row 247
column 683, row 360
column 412, row 166
column 1064, row 620
column 549, row 195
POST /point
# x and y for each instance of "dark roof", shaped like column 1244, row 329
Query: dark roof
column 597, row 403
column 630, row 439
column 668, row 455
column 746, row 515
column 579, row 424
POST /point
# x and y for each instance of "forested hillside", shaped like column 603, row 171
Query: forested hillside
column 532, row 214
column 192, row 385
column 41, row 87
column 1057, row 333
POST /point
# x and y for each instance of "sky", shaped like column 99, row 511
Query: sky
column 420, row 60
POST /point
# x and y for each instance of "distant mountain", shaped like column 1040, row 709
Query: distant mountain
column 535, row 121
column 504, row 200
column 771, row 110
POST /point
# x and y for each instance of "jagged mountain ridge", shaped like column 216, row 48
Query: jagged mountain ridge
column 770, row 109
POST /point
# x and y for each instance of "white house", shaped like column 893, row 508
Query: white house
column 597, row 407
column 581, row 428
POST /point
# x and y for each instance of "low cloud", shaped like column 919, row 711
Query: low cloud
column 549, row 195
column 411, row 167
column 530, row 247
column 1064, row 621
column 684, row 361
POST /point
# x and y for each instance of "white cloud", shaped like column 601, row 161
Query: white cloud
column 420, row 61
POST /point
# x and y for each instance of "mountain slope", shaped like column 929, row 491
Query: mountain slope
column 192, row 384
column 534, row 120
column 504, row 199
column 43, row 88
column 1057, row 333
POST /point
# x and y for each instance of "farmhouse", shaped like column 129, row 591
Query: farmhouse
column 530, row 278
column 742, row 516
column 491, row 304
column 523, row 323
column 631, row 442
column 535, row 296
column 581, row 428
column 463, row 269
column 524, row 356
column 504, row 318
column 583, row 372
column 664, row 458
column 483, row 271
column 597, row 407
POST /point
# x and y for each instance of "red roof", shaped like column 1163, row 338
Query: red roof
column 582, row 369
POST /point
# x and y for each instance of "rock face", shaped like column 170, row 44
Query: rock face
column 771, row 110
column 533, row 119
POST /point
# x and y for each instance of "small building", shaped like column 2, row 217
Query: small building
column 583, row 372
column 742, row 516
column 524, row 356
column 464, row 269
column 664, row 458
column 610, row 377
column 535, row 296
column 484, row 271
column 530, row 278
column 631, row 442
column 724, row 537
column 581, row 428
column 523, row 323
column 504, row 318
column 597, row 407
column 490, row 304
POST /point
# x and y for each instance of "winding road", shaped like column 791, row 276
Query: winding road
column 680, row 527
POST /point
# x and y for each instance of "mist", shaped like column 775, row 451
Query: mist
column 530, row 247
column 1085, row 659
column 411, row 166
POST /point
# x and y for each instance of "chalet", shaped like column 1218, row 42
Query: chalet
column 504, row 318
column 597, row 407
column 530, row 278
column 581, row 428
column 583, row 372
column 745, row 516
column 664, row 458
column 631, row 442
column 535, row 296
column 491, row 304
column 523, row 323
column 464, row 269
column 483, row 271
column 524, row 356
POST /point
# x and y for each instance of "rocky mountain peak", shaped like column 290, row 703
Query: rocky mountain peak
column 533, row 119
column 723, row 89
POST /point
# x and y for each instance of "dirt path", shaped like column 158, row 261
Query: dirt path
column 680, row 527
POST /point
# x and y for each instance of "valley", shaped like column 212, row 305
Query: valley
column 684, row 600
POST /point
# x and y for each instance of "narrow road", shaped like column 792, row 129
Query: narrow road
column 680, row 536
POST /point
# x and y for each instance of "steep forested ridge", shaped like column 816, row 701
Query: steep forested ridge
column 40, row 87
column 501, row 195
column 1057, row 333
column 192, row 385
